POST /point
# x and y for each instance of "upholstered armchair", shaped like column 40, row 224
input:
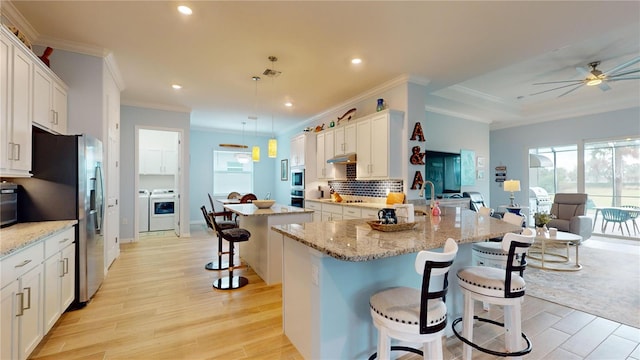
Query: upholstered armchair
column 569, row 211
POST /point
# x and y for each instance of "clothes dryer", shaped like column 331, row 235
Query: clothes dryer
column 162, row 203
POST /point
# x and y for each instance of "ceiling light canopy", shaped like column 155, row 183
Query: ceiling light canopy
column 176, row 86
column 356, row 61
column 185, row 10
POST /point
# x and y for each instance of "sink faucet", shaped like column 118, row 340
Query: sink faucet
column 433, row 192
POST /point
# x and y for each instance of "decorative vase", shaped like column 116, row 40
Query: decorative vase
column 541, row 230
column 380, row 105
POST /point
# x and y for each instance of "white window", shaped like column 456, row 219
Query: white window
column 231, row 172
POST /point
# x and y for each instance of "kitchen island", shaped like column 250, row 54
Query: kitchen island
column 263, row 251
column 332, row 268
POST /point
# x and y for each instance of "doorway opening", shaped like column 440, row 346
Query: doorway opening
column 158, row 181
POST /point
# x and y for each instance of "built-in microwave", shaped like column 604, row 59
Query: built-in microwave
column 297, row 179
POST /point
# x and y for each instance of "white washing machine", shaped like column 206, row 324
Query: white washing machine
column 143, row 210
column 162, row 206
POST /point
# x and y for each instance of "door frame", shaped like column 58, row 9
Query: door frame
column 179, row 178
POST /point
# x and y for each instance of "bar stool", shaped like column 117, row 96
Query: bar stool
column 218, row 264
column 415, row 315
column 490, row 253
column 497, row 286
column 233, row 235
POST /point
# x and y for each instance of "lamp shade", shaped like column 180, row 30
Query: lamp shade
column 272, row 148
column 512, row 185
column 255, row 153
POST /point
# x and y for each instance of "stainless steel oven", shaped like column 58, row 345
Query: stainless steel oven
column 8, row 204
column 297, row 198
column 297, row 179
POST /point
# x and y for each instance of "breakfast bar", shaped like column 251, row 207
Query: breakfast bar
column 332, row 268
column 263, row 251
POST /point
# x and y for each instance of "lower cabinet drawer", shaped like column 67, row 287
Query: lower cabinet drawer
column 15, row 265
column 58, row 242
column 351, row 212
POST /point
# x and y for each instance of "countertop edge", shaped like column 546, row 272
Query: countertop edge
column 22, row 235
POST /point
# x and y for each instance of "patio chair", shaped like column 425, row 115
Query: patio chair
column 615, row 216
column 634, row 212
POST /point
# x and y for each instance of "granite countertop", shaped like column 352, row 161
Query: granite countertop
column 368, row 205
column 354, row 240
column 18, row 236
column 276, row 209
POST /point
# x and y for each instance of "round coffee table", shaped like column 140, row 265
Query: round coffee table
column 543, row 259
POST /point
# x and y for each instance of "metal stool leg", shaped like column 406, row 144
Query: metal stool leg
column 220, row 264
column 230, row 282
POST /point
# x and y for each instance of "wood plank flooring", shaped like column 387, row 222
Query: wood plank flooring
column 157, row 303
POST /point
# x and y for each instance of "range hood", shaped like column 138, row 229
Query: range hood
column 343, row 159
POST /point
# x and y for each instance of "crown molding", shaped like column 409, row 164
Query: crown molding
column 112, row 66
column 155, row 106
column 9, row 12
column 443, row 111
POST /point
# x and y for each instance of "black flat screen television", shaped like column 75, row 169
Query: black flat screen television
column 444, row 170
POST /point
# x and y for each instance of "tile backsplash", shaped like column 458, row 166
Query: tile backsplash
column 369, row 188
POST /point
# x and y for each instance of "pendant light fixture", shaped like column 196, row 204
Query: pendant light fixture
column 242, row 157
column 255, row 151
column 272, row 147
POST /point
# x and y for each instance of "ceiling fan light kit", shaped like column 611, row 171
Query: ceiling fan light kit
column 595, row 77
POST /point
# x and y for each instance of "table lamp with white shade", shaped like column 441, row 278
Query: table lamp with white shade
column 512, row 186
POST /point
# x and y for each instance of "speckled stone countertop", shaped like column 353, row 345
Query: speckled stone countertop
column 354, row 240
column 276, row 209
column 367, row 205
column 18, row 236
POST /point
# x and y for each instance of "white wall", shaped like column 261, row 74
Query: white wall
column 202, row 145
column 451, row 134
column 510, row 146
column 131, row 117
column 84, row 76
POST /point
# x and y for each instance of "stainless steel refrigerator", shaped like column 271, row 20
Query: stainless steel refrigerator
column 67, row 184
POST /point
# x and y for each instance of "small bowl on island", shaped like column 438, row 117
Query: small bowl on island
column 263, row 204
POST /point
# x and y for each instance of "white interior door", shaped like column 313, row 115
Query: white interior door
column 179, row 189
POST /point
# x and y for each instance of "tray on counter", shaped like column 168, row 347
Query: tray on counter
column 377, row 225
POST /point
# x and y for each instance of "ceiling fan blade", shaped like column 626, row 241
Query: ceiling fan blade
column 625, row 78
column 622, row 66
column 623, row 74
column 604, row 87
column 572, row 90
column 583, row 72
column 556, row 88
column 558, row 82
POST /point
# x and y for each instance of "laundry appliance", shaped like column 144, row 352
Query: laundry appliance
column 143, row 210
column 162, row 207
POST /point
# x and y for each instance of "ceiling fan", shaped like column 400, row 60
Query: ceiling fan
column 595, row 77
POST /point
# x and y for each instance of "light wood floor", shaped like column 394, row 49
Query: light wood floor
column 157, row 303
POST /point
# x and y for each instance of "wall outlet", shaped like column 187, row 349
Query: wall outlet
column 315, row 274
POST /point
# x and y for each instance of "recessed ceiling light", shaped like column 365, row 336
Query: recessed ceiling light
column 288, row 104
column 185, row 10
column 176, row 86
column 356, row 61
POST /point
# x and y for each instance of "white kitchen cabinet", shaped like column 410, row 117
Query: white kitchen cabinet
column 370, row 213
column 59, row 270
column 21, row 309
column 345, row 139
column 317, row 210
column 331, row 212
column 379, row 140
column 158, row 161
column 324, row 151
column 351, row 212
column 15, row 107
column 49, row 100
column 297, row 151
